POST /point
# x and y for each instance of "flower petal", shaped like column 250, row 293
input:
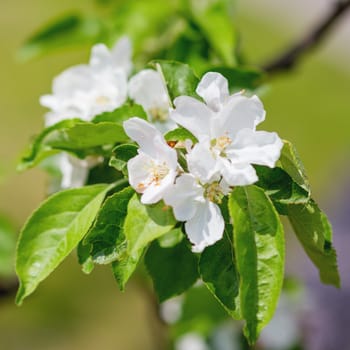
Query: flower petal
column 206, row 227
column 183, row 197
column 155, row 192
column 202, row 164
column 240, row 112
column 237, row 174
column 255, row 147
column 213, row 88
column 193, row 115
column 121, row 54
column 150, row 140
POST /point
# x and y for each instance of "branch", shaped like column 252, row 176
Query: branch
column 288, row 59
column 8, row 288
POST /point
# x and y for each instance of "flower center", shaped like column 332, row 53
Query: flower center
column 159, row 114
column 157, row 172
column 102, row 100
column 220, row 144
column 214, row 192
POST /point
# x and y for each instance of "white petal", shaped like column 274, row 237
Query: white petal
column 184, row 196
column 138, row 170
column 206, row 227
column 255, row 147
column 150, row 140
column 213, row 88
column 74, row 173
column 100, row 57
column 237, row 174
column 121, row 54
column 240, row 112
column 202, row 164
column 156, row 192
column 192, row 115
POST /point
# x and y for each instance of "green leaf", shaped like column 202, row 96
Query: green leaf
column 142, row 225
column 68, row 30
column 315, row 234
column 259, row 248
column 7, row 248
column 180, row 134
column 173, row 270
column 106, row 235
column 280, row 187
column 122, row 154
column 218, row 270
column 52, row 232
column 75, row 136
column 179, row 78
column 292, row 164
column 240, row 78
column 215, row 20
column 145, row 223
column 171, row 238
column 121, row 114
column 84, row 257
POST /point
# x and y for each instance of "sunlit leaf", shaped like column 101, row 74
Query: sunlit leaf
column 52, row 232
column 259, row 249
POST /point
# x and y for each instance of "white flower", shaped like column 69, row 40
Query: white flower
column 84, row 91
column 196, row 204
column 225, row 126
column 147, row 88
column 152, row 172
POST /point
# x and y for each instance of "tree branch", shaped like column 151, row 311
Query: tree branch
column 288, row 59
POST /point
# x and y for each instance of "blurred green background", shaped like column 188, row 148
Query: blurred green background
column 309, row 106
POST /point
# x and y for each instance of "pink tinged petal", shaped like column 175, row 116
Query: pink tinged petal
column 237, row 174
column 183, row 197
column 202, row 164
column 206, row 227
column 213, row 88
column 150, row 140
column 139, row 171
column 193, row 115
column 155, row 192
column 256, row 147
column 240, row 112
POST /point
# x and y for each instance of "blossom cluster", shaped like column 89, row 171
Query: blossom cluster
column 86, row 90
column 223, row 125
column 228, row 144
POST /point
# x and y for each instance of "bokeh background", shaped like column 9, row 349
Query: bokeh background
column 309, row 106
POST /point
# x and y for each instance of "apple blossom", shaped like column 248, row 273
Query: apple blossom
column 225, row 126
column 148, row 89
column 152, row 172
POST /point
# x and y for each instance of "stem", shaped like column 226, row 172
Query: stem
column 289, row 58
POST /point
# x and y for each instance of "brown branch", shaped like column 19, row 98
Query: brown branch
column 288, row 59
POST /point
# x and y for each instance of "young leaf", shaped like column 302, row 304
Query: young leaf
column 180, row 134
column 214, row 19
column 292, row 164
column 280, row 187
column 218, row 270
column 173, row 270
column 179, row 78
column 121, row 114
column 73, row 136
column 52, row 232
column 315, row 234
column 145, row 223
column 259, row 249
column 7, row 248
column 122, row 154
column 84, row 257
column 142, row 225
column 106, row 236
column 67, row 30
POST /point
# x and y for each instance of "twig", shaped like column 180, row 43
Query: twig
column 8, row 289
column 288, row 59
